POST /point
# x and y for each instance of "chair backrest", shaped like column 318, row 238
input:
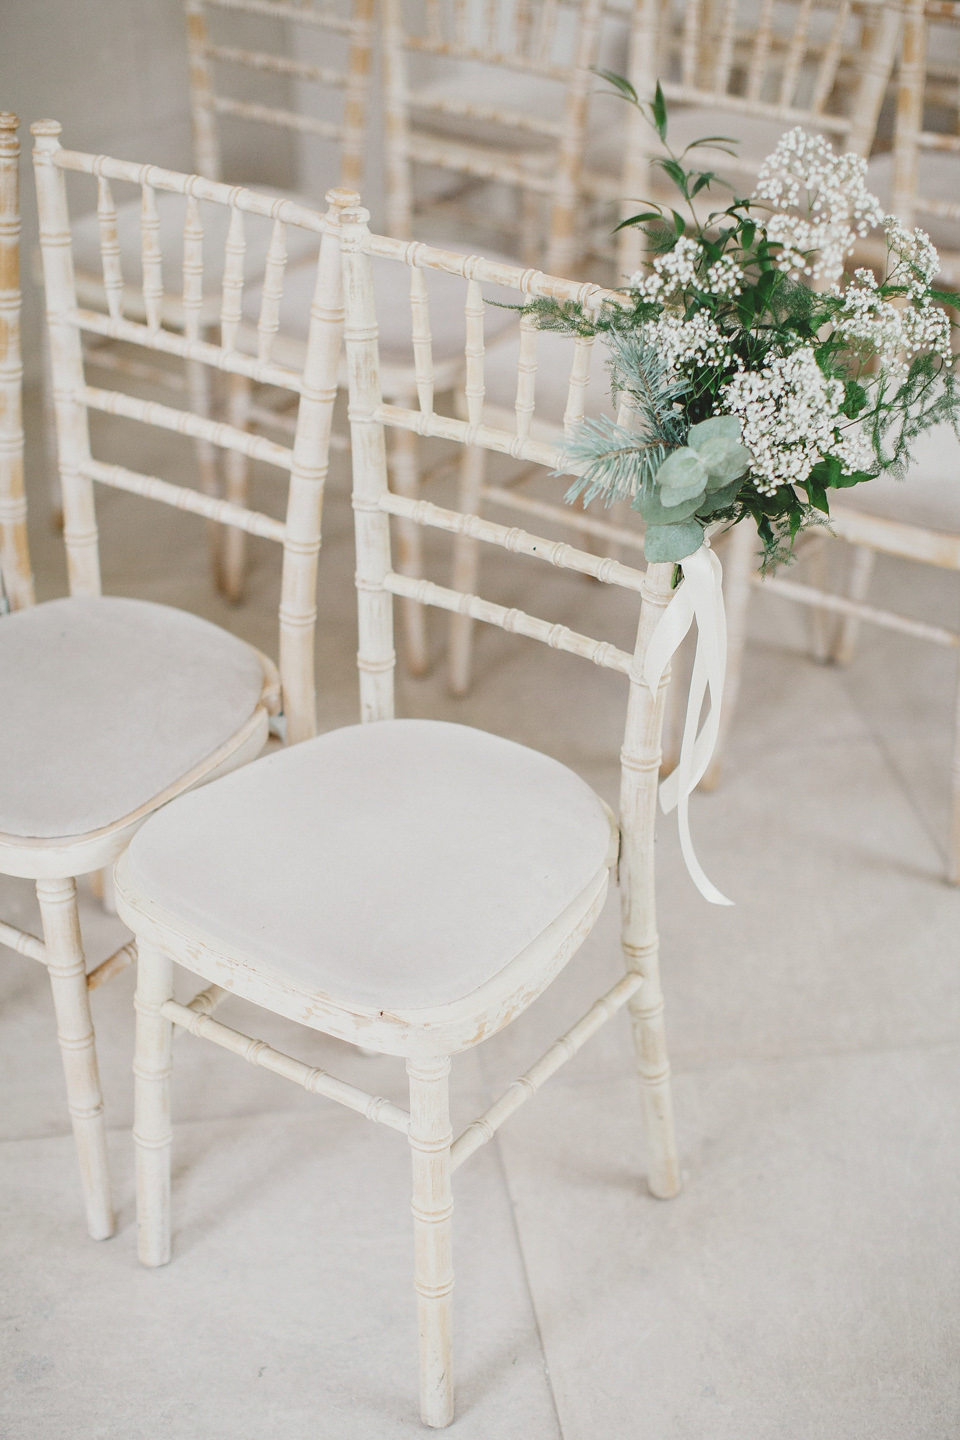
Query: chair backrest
column 16, row 579
column 822, row 64
column 239, row 352
column 377, row 578
column 347, row 27
column 926, row 155
column 531, row 138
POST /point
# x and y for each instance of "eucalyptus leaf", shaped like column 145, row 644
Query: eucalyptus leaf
column 672, row 542
column 656, row 513
column 726, row 426
column 681, row 476
column 724, row 459
column 718, row 500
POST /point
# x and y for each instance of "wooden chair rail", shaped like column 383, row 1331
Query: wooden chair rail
column 512, row 119
column 521, row 542
column 276, row 64
column 518, row 622
column 548, row 510
column 234, row 362
column 258, row 1052
column 283, row 119
column 156, row 178
column 181, row 497
column 185, row 422
column 479, row 1131
column 824, row 600
column 26, row 944
column 303, row 14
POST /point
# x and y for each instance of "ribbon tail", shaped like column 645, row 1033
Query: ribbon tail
column 703, row 594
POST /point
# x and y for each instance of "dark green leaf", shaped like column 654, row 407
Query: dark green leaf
column 679, row 223
column 621, row 83
column 659, row 109
column 817, row 495
column 706, row 178
column 638, row 220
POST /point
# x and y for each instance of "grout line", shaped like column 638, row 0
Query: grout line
column 505, row 1178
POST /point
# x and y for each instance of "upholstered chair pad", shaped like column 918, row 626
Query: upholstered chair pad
column 399, row 864
column 391, row 287
column 171, row 212
column 929, row 494
column 107, row 702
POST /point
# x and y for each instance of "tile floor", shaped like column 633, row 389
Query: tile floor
column 806, row 1284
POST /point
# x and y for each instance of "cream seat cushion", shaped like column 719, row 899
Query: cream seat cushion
column 105, row 703
column 400, row 864
column 928, row 496
column 171, row 211
column 446, row 294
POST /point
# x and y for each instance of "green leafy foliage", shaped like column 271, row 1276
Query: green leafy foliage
column 678, row 457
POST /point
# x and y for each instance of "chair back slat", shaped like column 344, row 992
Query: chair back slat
column 208, row 57
column 192, row 269
column 272, row 293
column 150, row 257
column 109, row 247
column 231, row 305
column 16, row 589
column 526, row 376
column 422, row 339
column 312, row 378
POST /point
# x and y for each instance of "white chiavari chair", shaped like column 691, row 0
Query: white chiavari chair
column 917, row 518
column 408, row 885
column 338, row 127
column 113, row 706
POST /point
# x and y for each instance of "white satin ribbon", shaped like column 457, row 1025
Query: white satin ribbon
column 699, row 598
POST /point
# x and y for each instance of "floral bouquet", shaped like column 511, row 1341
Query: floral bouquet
column 757, row 378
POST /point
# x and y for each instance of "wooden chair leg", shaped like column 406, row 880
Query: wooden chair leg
column 198, row 386
column 466, row 562
column 405, row 480
column 71, row 1002
column 151, row 1124
column 653, row 1067
column 236, row 473
column 861, row 572
column 430, row 1139
column 739, row 564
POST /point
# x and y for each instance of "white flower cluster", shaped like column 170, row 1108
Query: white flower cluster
column 804, row 174
column 893, row 333
column 914, row 249
column 672, row 273
column 724, row 277
column 791, row 414
column 682, row 342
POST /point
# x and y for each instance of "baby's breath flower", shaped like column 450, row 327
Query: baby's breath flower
column 724, row 277
column 791, row 416
column 683, row 343
column 804, row 174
